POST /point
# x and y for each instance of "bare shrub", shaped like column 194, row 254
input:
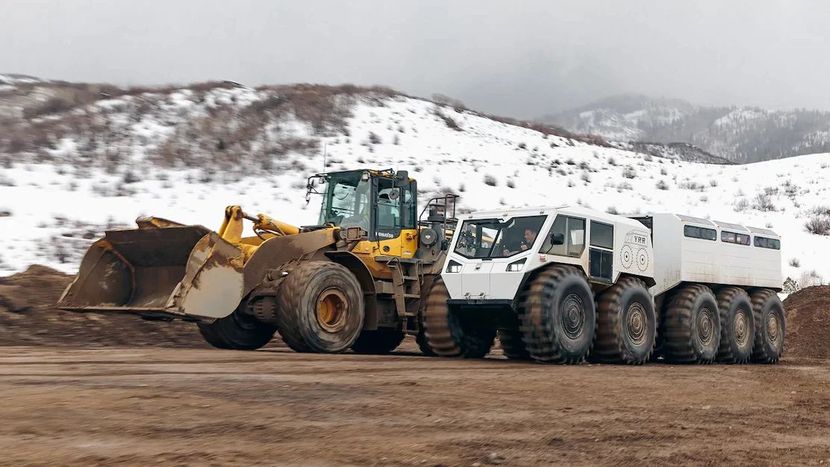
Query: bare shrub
column 511, row 183
column 629, row 172
column 795, row 262
column 612, row 210
column 691, row 185
column 763, row 202
column 490, row 180
column 740, row 205
column 449, row 121
column 810, row 278
column 374, row 138
column 662, row 185
column 818, row 225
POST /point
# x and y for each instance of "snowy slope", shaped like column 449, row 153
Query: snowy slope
column 739, row 134
column 56, row 203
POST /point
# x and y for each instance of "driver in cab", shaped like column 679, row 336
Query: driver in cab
column 514, row 245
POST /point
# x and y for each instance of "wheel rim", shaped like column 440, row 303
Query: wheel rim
column 773, row 329
column 636, row 323
column 332, row 308
column 705, row 326
column 573, row 316
column 741, row 326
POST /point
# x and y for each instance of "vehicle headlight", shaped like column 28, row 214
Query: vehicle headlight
column 454, row 266
column 516, row 266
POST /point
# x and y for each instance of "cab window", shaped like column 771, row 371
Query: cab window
column 566, row 237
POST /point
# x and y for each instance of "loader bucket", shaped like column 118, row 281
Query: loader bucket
column 176, row 271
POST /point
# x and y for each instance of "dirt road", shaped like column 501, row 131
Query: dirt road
column 192, row 406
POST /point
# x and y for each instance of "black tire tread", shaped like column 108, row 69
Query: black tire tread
column 725, row 298
column 439, row 335
column 677, row 341
column 378, row 342
column 540, row 347
column 760, row 353
column 227, row 333
column 609, row 346
column 288, row 306
column 512, row 345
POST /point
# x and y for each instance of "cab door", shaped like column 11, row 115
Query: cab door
column 601, row 251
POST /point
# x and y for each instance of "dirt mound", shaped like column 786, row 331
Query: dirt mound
column 28, row 316
column 808, row 323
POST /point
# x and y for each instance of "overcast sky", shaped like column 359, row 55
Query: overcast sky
column 516, row 58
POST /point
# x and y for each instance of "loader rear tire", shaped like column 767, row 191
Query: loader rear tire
column 320, row 308
column 237, row 331
column 378, row 342
column 691, row 326
column 512, row 345
column 770, row 326
column 737, row 335
column 557, row 315
column 446, row 334
column 626, row 323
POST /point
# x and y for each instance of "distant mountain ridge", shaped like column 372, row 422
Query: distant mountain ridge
column 738, row 134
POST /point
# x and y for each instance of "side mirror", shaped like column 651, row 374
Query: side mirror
column 557, row 239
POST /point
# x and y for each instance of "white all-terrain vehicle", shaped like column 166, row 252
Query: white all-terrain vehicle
column 569, row 283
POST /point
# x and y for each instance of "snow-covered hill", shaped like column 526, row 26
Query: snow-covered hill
column 739, row 134
column 70, row 170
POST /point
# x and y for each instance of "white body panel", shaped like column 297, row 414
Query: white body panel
column 489, row 279
column 674, row 257
column 683, row 259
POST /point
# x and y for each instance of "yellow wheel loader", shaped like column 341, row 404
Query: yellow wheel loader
column 355, row 280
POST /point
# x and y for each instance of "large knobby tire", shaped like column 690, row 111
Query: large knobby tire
column 770, row 326
column 445, row 333
column 737, row 324
column 320, row 308
column 237, row 331
column 557, row 315
column 512, row 345
column 378, row 342
column 691, row 326
column 626, row 323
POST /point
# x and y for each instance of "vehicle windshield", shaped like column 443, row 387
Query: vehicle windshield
column 493, row 238
column 346, row 202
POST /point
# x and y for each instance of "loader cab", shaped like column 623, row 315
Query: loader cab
column 383, row 203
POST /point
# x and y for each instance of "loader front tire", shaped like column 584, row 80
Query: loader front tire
column 557, row 315
column 691, row 326
column 737, row 325
column 320, row 308
column 378, row 342
column 237, row 331
column 626, row 323
column 770, row 326
column 446, row 334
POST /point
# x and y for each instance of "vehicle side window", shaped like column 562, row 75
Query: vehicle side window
column 388, row 222
column 732, row 237
column 601, row 253
column 771, row 243
column 702, row 233
column 576, row 236
column 602, row 235
column 566, row 237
